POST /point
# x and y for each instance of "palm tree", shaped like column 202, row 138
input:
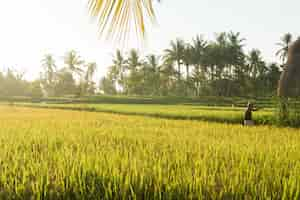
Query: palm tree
column 91, row 69
column 133, row 60
column 73, row 62
column 188, row 59
column 116, row 18
column 134, row 63
column 199, row 46
column 167, row 78
column 286, row 40
column 175, row 54
column 88, row 85
column 198, row 49
column 152, row 68
column 119, row 66
column 49, row 65
column 235, row 52
column 48, row 79
column 255, row 63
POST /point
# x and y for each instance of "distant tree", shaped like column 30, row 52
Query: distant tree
column 256, row 69
column 175, row 54
column 152, row 75
column 14, row 84
column 135, row 77
column 66, row 84
column 168, row 79
column 89, row 85
column 286, row 40
column 74, row 63
column 256, row 64
column 107, row 86
column 198, row 50
column 272, row 76
column 48, row 74
column 199, row 46
column 188, row 61
column 35, row 89
column 118, row 70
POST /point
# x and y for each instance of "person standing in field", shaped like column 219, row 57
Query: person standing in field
column 248, row 115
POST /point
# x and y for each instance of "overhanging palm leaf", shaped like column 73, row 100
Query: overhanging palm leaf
column 117, row 18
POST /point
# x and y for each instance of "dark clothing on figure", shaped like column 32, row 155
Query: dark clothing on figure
column 248, row 114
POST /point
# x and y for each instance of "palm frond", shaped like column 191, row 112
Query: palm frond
column 117, row 19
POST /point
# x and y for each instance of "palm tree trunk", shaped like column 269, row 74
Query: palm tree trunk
column 179, row 69
column 187, row 72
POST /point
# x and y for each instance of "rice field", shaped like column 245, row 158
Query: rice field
column 67, row 154
column 187, row 112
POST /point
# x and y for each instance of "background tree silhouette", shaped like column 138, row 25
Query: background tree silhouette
column 286, row 40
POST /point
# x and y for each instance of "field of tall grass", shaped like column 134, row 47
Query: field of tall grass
column 68, row 154
column 233, row 115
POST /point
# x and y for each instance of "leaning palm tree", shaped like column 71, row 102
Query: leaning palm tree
column 284, row 47
column 117, row 18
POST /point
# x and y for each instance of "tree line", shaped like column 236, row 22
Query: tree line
column 220, row 67
column 74, row 78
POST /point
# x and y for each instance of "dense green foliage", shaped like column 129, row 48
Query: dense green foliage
column 60, row 154
column 74, row 78
column 220, row 67
column 12, row 83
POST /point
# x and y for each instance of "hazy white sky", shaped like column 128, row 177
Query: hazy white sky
column 30, row 29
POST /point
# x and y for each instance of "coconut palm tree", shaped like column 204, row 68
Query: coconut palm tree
column 116, row 18
column 235, row 54
column 88, row 84
column 48, row 63
column 73, row 62
column 188, row 59
column 48, row 76
column 175, row 54
column 90, row 71
column 286, row 40
column 167, row 78
column 134, row 64
column 255, row 63
column 152, row 70
column 198, row 48
column 119, row 66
